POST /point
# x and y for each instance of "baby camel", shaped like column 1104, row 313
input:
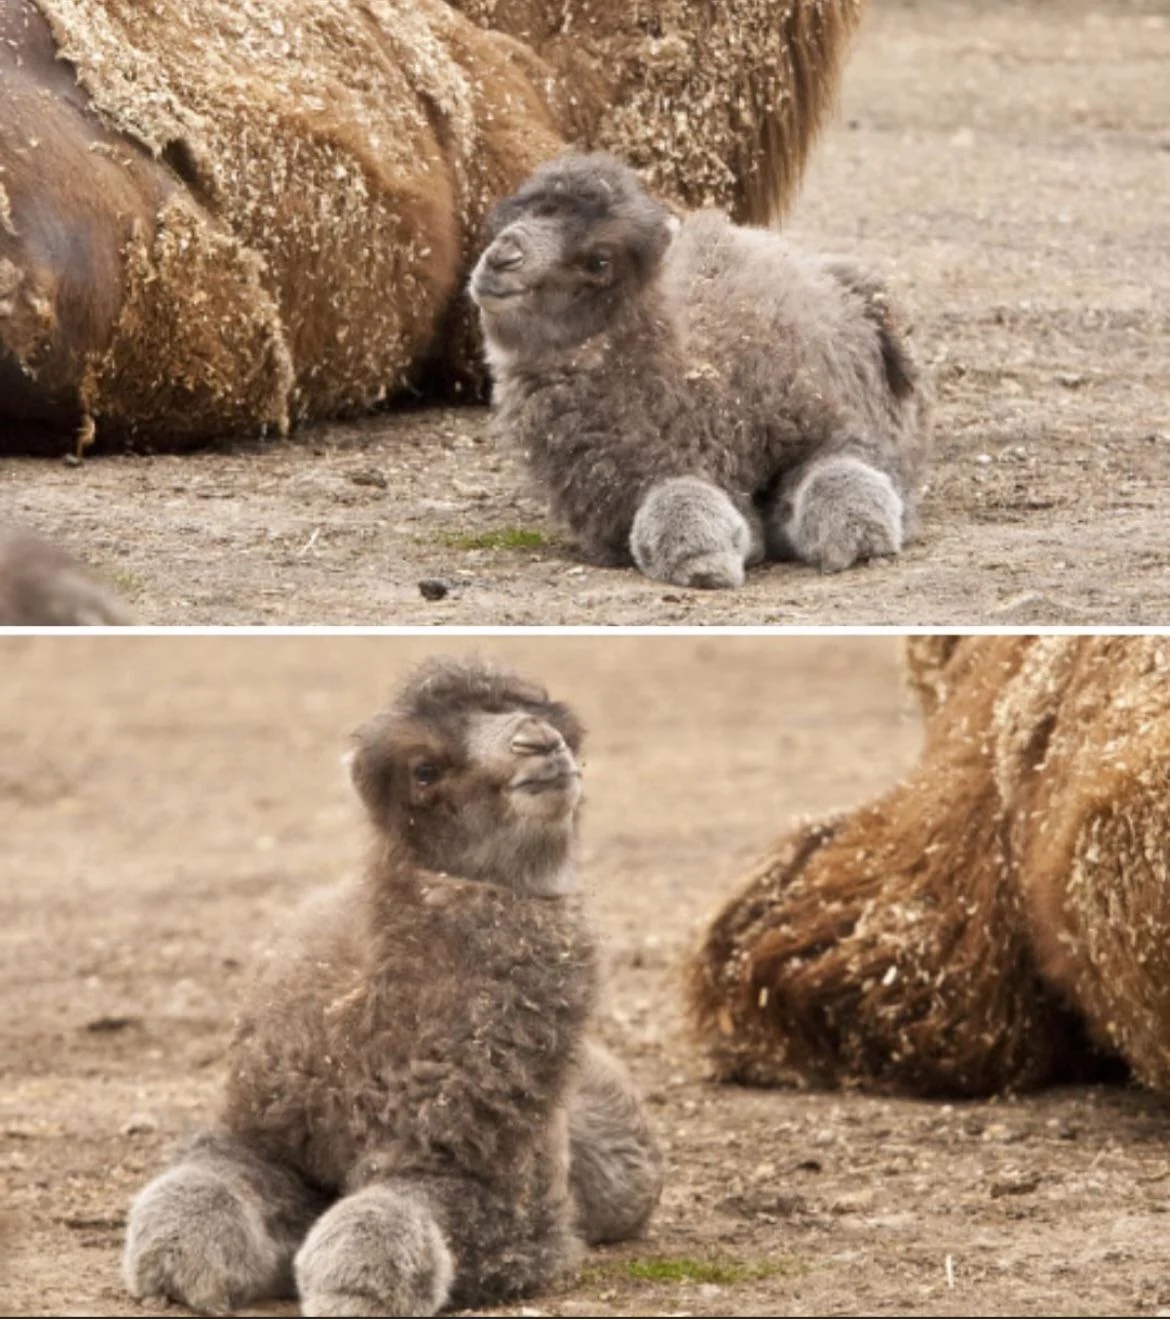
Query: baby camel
column 43, row 586
column 414, row 1117
column 696, row 396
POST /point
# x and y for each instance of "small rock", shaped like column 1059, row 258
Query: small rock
column 110, row 1025
column 369, row 476
column 141, row 1124
column 431, row 588
column 1014, row 1186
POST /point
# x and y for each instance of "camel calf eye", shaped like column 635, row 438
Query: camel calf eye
column 597, row 263
column 426, row 773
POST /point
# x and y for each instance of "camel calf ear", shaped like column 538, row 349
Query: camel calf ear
column 371, row 767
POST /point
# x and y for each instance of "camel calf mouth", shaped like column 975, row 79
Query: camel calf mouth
column 560, row 781
column 485, row 294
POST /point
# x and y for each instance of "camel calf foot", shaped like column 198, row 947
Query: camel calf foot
column 844, row 511
column 378, row 1251
column 689, row 532
column 195, row 1239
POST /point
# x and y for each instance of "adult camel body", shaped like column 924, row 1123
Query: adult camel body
column 220, row 219
column 998, row 920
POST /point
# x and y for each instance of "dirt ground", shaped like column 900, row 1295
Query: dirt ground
column 1007, row 164
column 164, row 799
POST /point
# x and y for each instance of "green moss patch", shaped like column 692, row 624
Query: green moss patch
column 504, row 538
column 723, row 1272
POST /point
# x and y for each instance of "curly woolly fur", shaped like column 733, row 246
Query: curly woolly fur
column 223, row 219
column 414, row 1117
column 696, row 395
column 997, row 921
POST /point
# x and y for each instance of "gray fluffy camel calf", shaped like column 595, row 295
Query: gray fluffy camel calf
column 414, row 1117
column 43, row 586
column 696, row 396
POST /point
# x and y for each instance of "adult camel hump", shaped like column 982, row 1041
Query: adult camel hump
column 224, row 219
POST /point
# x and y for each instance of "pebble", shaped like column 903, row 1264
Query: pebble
column 369, row 476
column 431, row 588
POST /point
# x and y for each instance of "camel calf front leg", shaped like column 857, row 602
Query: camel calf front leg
column 615, row 1166
column 377, row 1251
column 841, row 510
column 689, row 532
column 406, row 1244
column 218, row 1229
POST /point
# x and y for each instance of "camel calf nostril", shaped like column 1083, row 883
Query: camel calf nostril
column 505, row 255
column 537, row 741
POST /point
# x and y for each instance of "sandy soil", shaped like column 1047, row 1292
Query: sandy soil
column 164, row 799
column 1005, row 163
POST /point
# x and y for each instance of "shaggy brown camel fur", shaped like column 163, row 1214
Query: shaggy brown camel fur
column 714, row 105
column 414, row 1116
column 694, row 395
column 1000, row 919
column 217, row 220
